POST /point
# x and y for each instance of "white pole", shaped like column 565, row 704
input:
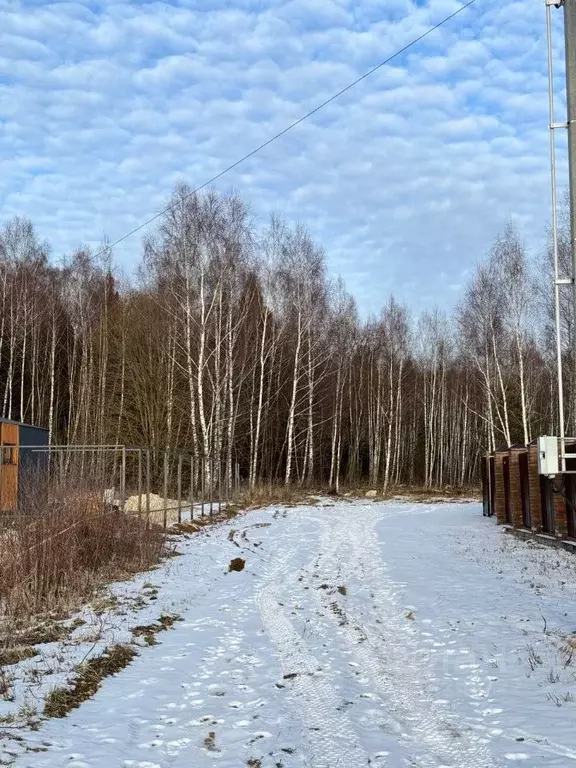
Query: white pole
column 557, row 281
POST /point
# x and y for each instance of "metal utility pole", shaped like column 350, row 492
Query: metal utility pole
column 570, row 48
column 558, row 281
column 570, row 124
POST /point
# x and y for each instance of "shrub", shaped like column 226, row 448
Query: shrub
column 61, row 544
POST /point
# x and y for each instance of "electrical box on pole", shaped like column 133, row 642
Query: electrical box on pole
column 548, row 463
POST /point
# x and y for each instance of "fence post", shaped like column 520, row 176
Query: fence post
column 219, row 487
column 123, row 480
column 139, row 482
column 61, row 466
column 211, row 486
column 191, row 487
column 148, row 487
column 165, row 489
column 203, row 481
column 179, row 491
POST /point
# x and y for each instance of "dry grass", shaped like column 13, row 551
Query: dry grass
column 199, row 523
column 266, row 495
column 210, row 742
column 60, row 546
column 292, row 495
column 149, row 631
column 417, row 493
column 60, row 701
column 445, row 492
column 16, row 655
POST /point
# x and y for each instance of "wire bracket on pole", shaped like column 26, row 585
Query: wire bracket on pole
column 555, row 3
column 554, row 126
column 564, row 281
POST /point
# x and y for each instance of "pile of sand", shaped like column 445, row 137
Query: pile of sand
column 156, row 503
column 157, row 506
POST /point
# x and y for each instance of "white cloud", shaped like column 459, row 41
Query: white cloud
column 405, row 180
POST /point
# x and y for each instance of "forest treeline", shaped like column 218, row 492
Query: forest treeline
column 233, row 342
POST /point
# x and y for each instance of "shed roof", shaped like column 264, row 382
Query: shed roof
column 21, row 424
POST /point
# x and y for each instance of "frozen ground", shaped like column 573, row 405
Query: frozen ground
column 357, row 634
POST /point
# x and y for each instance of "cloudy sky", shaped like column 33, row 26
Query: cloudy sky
column 405, row 180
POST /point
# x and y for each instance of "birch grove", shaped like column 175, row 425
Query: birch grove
column 234, row 343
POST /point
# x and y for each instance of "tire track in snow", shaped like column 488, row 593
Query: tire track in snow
column 332, row 741
column 350, row 544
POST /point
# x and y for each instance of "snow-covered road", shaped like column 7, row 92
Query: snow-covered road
column 357, row 634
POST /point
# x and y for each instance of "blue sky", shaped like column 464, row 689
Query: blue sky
column 405, row 180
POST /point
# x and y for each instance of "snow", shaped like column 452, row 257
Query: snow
column 358, row 634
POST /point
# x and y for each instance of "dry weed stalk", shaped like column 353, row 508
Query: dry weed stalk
column 60, row 545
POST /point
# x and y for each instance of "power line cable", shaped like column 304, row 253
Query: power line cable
column 288, row 128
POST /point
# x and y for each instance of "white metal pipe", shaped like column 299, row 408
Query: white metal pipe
column 555, row 239
column 570, row 57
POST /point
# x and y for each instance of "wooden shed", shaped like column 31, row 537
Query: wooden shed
column 22, row 459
